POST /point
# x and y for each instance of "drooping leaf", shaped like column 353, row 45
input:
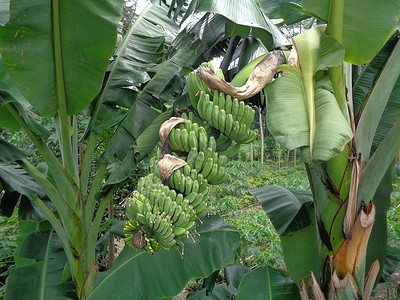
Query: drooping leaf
column 234, row 274
column 221, row 291
column 283, row 206
column 10, row 153
column 366, row 26
column 41, row 279
column 377, row 244
column 392, row 263
column 382, row 106
column 14, row 178
column 136, row 275
column 292, row 216
column 142, row 48
column 266, row 283
column 4, row 11
column 71, row 68
column 379, row 163
column 283, row 9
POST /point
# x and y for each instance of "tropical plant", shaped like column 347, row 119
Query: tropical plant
column 348, row 138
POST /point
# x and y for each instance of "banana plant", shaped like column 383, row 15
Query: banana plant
column 70, row 194
column 348, row 140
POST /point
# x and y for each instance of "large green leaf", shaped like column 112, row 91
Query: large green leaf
column 43, row 278
column 10, row 153
column 14, row 178
column 142, row 48
column 220, row 292
column 377, row 244
column 283, row 206
column 375, row 103
column 139, row 275
column 287, row 104
column 4, row 11
column 293, row 218
column 392, row 263
column 276, row 9
column 366, row 25
column 247, row 13
column 379, row 163
column 71, row 41
column 266, row 283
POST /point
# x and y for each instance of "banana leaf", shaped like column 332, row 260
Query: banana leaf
column 41, row 279
column 220, row 292
column 10, row 153
column 276, row 9
column 4, row 11
column 291, row 214
column 139, row 275
column 71, row 70
column 366, row 26
column 267, row 283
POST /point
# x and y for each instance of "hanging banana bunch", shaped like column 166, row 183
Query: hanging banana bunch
column 173, row 197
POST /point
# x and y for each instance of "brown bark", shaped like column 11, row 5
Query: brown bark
column 262, row 74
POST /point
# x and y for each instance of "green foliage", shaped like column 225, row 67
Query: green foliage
column 393, row 216
column 9, row 232
column 260, row 242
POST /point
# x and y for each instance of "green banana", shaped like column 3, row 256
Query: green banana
column 189, row 184
column 221, row 101
column 179, row 146
column 214, row 119
column 243, row 131
column 222, row 160
column 207, row 167
column 235, row 130
column 250, row 117
column 192, row 157
column 220, row 74
column 241, row 111
column 208, row 153
column 215, row 98
column 185, row 140
column 193, row 142
column 228, row 104
column 203, row 142
column 212, row 143
column 195, row 128
column 221, row 176
column 186, row 169
column 199, row 161
column 201, row 104
column 235, row 108
column 195, row 187
column 209, row 111
column 213, row 173
column 221, row 120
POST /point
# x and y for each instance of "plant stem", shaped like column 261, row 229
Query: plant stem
column 86, row 164
column 66, row 147
column 91, row 200
column 63, row 180
column 336, row 74
column 67, row 214
column 51, row 217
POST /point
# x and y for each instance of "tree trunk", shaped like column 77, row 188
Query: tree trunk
column 295, row 157
column 251, row 152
